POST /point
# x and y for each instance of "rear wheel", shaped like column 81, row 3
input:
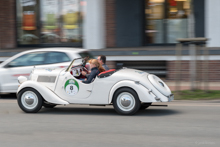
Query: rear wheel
column 126, row 101
column 29, row 100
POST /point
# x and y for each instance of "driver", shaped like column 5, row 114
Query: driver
column 96, row 68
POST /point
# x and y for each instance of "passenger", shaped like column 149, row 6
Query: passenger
column 96, row 68
column 102, row 60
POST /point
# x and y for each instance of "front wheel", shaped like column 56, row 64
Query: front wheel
column 29, row 100
column 126, row 101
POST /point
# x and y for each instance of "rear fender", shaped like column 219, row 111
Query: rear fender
column 46, row 93
column 142, row 92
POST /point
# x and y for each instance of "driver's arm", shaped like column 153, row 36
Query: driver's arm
column 85, row 74
column 90, row 77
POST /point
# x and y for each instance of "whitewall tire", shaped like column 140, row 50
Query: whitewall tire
column 29, row 100
column 126, row 101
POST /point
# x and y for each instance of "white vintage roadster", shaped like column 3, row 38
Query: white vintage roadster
column 127, row 89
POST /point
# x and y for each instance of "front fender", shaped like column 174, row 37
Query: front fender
column 141, row 91
column 46, row 93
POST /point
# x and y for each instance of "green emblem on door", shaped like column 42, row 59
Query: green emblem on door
column 71, row 87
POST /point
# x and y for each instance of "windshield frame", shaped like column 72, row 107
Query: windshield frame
column 71, row 64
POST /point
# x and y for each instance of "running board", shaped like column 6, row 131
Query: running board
column 159, row 105
column 95, row 105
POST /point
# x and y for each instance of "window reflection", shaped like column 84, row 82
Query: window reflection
column 56, row 57
column 177, row 22
column 155, row 17
column 166, row 20
column 27, row 24
column 49, row 21
column 71, row 21
column 28, row 60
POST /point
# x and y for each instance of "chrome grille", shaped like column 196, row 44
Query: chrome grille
column 47, row 79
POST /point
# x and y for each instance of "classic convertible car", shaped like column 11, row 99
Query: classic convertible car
column 128, row 90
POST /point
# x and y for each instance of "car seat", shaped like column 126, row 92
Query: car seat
column 107, row 73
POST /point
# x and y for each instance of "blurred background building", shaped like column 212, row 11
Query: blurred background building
column 134, row 33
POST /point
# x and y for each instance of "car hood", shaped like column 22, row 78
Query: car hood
column 47, row 71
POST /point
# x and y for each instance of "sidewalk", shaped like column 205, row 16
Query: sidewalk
column 187, row 85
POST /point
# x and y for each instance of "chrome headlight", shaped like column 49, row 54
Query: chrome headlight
column 21, row 79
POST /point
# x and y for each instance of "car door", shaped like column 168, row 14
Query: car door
column 71, row 89
column 21, row 66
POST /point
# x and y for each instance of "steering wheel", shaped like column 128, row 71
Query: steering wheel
column 77, row 71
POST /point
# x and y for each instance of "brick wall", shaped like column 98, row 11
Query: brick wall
column 7, row 24
column 213, row 72
column 110, row 23
column 111, row 64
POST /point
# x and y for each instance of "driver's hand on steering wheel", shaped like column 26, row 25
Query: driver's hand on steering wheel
column 84, row 73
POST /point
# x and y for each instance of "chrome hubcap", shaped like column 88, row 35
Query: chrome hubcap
column 29, row 100
column 125, row 101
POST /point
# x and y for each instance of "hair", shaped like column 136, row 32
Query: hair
column 103, row 58
column 97, row 64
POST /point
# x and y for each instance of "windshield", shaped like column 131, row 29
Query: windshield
column 77, row 62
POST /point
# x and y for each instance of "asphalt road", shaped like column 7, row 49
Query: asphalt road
column 181, row 124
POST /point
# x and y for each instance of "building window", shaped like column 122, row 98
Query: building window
column 49, row 21
column 166, row 20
